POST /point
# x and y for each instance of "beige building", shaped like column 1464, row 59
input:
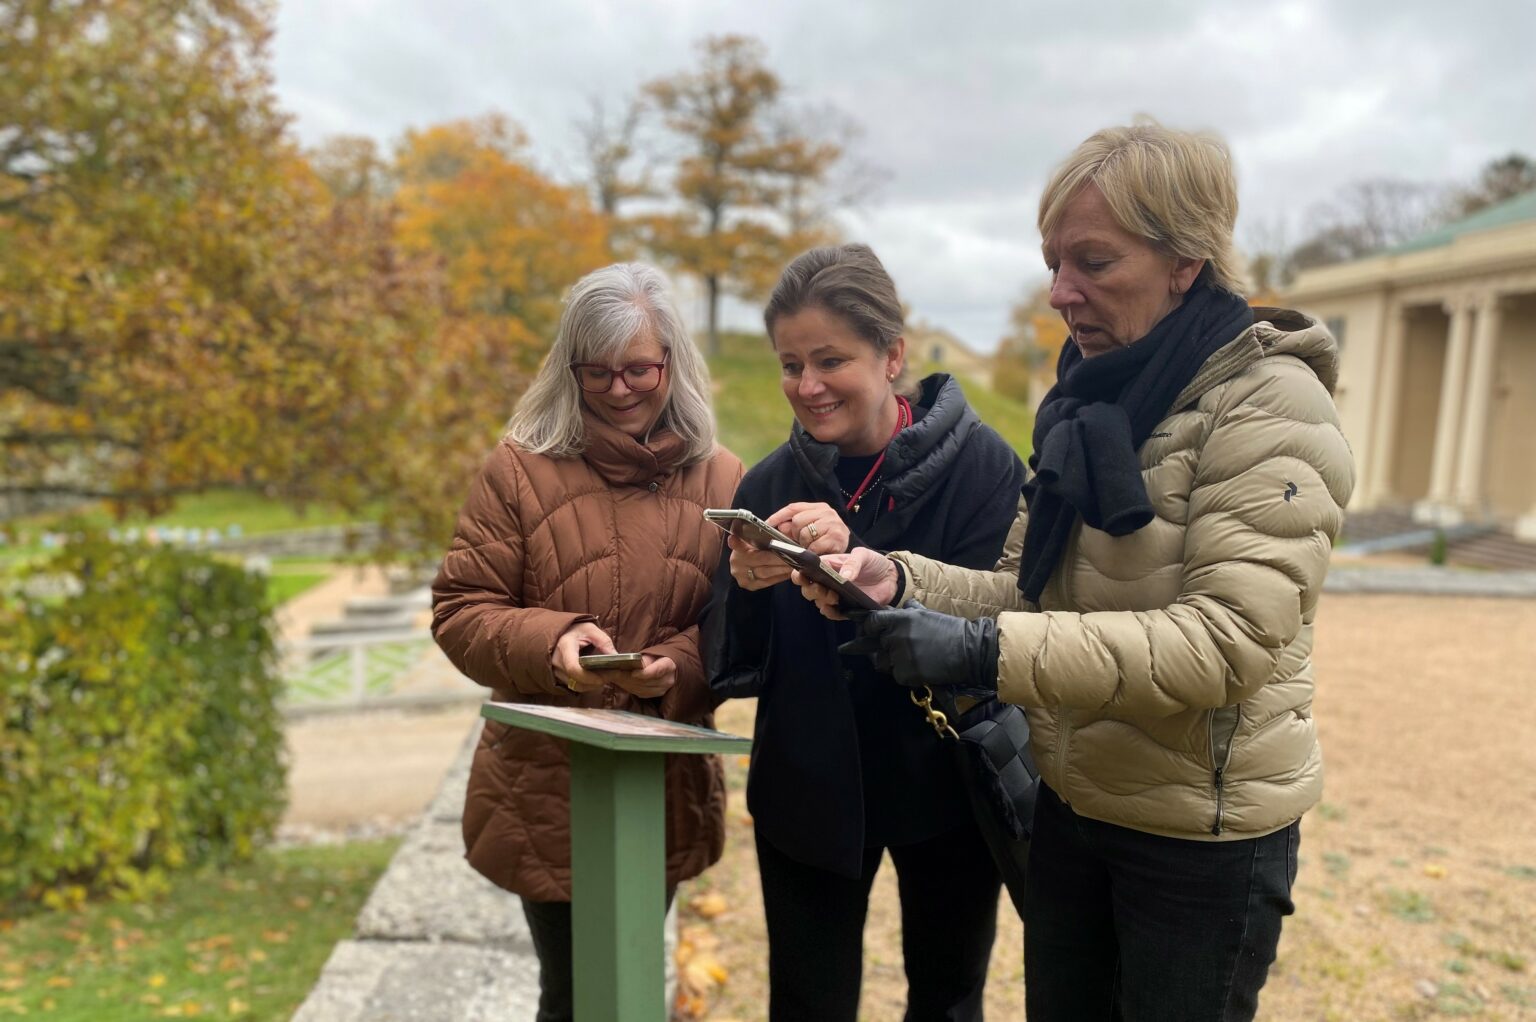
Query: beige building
column 931, row 348
column 1437, row 387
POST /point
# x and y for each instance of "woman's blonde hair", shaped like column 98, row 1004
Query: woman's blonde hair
column 604, row 313
column 1174, row 188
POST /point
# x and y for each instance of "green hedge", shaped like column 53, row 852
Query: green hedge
column 138, row 698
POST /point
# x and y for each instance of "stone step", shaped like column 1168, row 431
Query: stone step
column 364, row 625
column 384, row 606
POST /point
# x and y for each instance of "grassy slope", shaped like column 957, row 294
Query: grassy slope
column 755, row 418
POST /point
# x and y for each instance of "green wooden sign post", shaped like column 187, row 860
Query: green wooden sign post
column 618, row 848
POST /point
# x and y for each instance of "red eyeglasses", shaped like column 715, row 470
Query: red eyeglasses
column 640, row 377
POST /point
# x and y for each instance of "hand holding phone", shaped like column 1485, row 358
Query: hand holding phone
column 746, row 526
column 810, row 567
column 611, row 661
column 581, row 639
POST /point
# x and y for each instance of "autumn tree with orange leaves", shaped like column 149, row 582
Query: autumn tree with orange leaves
column 751, row 179
column 187, row 300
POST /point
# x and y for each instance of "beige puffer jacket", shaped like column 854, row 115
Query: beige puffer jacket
column 1167, row 674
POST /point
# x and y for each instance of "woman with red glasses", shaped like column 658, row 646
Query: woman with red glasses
column 844, row 767
column 584, row 534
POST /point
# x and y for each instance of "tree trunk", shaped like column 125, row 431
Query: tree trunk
column 712, row 285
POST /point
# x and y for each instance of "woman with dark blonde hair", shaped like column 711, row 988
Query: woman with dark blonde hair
column 1153, row 609
column 844, row 767
column 585, row 534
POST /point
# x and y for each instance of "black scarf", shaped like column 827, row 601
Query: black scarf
column 1090, row 425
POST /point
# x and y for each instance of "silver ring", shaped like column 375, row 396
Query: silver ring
column 812, row 530
column 751, row 575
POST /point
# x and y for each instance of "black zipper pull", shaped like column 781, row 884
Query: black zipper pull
column 1216, row 827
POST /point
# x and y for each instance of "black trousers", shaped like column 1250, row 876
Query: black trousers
column 1124, row 925
column 949, row 888
column 549, row 923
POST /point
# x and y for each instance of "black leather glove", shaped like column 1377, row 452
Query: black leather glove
column 918, row 647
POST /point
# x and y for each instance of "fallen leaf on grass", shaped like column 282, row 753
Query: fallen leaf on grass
column 237, row 1007
column 58, row 982
column 213, row 943
column 157, row 981
column 275, row 936
column 689, row 1006
column 709, row 905
column 10, row 986
column 1435, row 870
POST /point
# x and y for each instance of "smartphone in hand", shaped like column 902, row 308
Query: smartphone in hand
column 611, row 661
column 746, row 526
column 809, row 565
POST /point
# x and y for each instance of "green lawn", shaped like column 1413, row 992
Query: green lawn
column 243, row 944
column 254, row 513
column 755, row 418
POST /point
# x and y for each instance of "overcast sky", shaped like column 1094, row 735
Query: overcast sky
column 966, row 105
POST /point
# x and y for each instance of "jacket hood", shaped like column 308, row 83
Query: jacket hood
column 1288, row 332
column 1274, row 332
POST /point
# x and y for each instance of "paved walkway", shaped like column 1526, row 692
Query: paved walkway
column 1428, row 580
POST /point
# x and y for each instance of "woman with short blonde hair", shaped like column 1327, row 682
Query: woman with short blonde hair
column 1153, row 608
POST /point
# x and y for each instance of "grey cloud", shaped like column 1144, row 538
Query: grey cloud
column 969, row 107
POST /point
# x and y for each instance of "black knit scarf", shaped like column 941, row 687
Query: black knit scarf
column 1090, row 425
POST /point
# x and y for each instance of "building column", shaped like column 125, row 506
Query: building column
column 1453, row 383
column 1479, row 395
column 1389, row 386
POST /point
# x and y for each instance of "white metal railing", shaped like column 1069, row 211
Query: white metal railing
column 359, row 675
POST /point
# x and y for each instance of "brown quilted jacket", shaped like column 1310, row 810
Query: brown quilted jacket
column 614, row 536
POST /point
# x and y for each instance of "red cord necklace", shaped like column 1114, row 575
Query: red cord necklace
column 903, row 420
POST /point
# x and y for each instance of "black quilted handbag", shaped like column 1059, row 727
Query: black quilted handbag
column 991, row 740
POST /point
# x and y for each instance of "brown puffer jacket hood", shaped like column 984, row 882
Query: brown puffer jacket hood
column 615, row 536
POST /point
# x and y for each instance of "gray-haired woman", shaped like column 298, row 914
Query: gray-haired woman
column 1153, row 608
column 584, row 534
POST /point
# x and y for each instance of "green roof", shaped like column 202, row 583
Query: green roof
column 1502, row 214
